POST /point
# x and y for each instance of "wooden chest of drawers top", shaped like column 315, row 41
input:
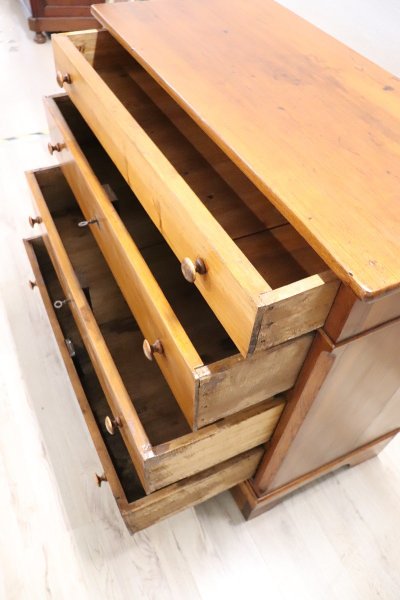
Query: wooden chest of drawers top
column 313, row 124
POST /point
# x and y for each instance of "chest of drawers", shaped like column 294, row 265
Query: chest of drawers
column 58, row 15
column 200, row 251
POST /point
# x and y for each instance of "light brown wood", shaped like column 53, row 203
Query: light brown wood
column 145, row 510
column 253, row 505
column 358, row 402
column 261, row 210
column 169, row 459
column 235, row 290
column 318, row 363
column 143, row 294
column 233, row 384
column 327, row 119
column 351, row 316
column 134, row 435
column 310, row 298
column 191, row 491
column 182, row 324
column 31, row 249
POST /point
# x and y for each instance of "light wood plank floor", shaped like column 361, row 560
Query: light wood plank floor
column 60, row 536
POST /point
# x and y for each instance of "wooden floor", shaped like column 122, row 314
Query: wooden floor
column 62, row 537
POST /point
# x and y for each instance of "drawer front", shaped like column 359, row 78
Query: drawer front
column 157, row 464
column 142, row 293
column 233, row 287
column 143, row 511
column 205, row 393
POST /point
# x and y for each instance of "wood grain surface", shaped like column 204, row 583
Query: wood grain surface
column 64, row 538
column 199, row 359
column 358, row 401
column 185, row 196
column 253, row 505
column 159, row 441
column 313, row 124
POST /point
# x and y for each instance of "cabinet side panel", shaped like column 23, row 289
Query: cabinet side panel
column 358, row 402
column 350, row 316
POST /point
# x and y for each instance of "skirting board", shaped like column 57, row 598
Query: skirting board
column 252, row 505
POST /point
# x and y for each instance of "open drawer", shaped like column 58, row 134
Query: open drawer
column 223, row 230
column 137, row 509
column 209, row 379
column 142, row 407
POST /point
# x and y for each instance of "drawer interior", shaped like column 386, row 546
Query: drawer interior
column 115, row 446
column 279, row 250
column 272, row 245
column 153, row 400
column 159, row 440
column 137, row 509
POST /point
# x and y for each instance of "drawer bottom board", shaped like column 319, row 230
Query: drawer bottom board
column 138, row 510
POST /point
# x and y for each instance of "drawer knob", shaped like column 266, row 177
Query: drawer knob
column 35, row 221
column 189, row 269
column 111, row 424
column 86, row 223
column 32, row 284
column 150, row 349
column 55, row 147
column 63, row 78
column 100, row 478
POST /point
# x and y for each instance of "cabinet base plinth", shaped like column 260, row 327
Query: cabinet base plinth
column 251, row 504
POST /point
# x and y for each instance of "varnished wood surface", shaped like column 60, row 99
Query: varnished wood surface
column 141, row 290
column 351, row 316
column 78, row 531
column 253, row 505
column 182, row 193
column 316, row 367
column 200, row 363
column 313, row 124
column 358, row 402
column 138, row 510
column 158, row 439
column 60, row 23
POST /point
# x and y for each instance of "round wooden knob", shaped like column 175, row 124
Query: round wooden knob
column 55, row 147
column 32, row 284
column 62, row 78
column 35, row 221
column 150, row 349
column 111, row 424
column 100, row 478
column 190, row 268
